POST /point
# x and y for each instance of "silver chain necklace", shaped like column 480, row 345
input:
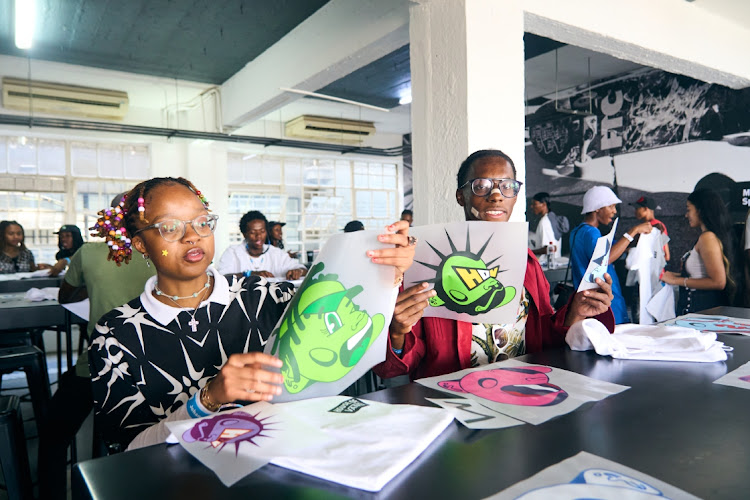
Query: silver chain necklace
column 174, row 298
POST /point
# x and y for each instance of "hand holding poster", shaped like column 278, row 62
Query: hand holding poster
column 332, row 331
column 477, row 269
column 599, row 261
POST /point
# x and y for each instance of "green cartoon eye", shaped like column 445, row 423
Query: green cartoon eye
column 333, row 322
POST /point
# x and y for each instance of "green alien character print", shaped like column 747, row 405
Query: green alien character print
column 465, row 283
column 324, row 333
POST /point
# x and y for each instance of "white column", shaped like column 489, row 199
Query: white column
column 467, row 70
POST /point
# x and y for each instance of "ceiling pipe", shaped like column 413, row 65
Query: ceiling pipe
column 192, row 134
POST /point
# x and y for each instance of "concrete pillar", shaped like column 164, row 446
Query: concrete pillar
column 467, row 70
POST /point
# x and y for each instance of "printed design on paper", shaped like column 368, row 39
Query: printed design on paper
column 352, row 405
column 229, row 428
column 465, row 283
column 324, row 333
column 527, row 386
column 597, row 483
column 719, row 324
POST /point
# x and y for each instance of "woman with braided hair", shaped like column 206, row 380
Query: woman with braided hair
column 192, row 341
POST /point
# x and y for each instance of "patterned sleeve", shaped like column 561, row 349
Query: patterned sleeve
column 119, row 412
column 268, row 300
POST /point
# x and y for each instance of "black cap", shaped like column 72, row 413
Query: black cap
column 68, row 228
column 352, row 226
column 276, row 223
column 644, row 202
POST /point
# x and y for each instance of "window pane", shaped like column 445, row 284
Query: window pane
column 379, row 204
column 343, row 174
column 325, row 173
column 292, row 173
column 364, row 204
column 110, row 162
column 376, row 181
column 310, row 172
column 253, row 168
column 376, row 169
column 3, row 157
column 137, row 162
column 51, row 157
column 22, row 156
column 272, row 172
column 83, row 160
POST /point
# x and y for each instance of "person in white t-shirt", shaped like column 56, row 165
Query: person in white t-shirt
column 544, row 235
column 255, row 257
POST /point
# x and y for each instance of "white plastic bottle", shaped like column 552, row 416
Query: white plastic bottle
column 550, row 255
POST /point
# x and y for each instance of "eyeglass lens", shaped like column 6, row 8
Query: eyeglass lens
column 483, row 186
column 174, row 229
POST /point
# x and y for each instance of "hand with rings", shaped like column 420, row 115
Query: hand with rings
column 401, row 255
column 246, row 377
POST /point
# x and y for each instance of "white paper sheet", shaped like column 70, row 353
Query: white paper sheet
column 589, row 476
column 476, row 268
column 473, row 415
column 370, row 442
column 336, row 327
column 80, row 309
column 737, row 378
column 599, row 260
column 532, row 393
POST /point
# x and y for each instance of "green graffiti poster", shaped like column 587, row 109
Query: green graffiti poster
column 335, row 328
column 476, row 268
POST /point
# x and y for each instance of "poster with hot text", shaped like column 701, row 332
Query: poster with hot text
column 477, row 269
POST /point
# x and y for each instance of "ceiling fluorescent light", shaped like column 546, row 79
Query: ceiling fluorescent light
column 247, row 157
column 25, row 18
column 332, row 98
column 405, row 99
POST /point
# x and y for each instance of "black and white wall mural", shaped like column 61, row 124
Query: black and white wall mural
column 652, row 133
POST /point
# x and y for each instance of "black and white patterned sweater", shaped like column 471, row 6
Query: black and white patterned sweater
column 147, row 359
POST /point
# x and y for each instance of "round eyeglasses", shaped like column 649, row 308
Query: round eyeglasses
column 174, row 229
column 482, row 186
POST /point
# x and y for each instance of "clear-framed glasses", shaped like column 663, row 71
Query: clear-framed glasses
column 174, row 229
column 482, row 186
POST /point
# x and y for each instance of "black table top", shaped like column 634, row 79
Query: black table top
column 22, row 285
column 674, row 424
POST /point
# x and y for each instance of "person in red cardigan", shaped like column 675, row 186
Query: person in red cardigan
column 424, row 347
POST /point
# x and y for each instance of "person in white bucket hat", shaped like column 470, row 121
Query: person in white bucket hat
column 598, row 210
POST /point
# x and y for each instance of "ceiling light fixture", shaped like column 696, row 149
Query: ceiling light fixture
column 25, row 12
column 405, row 99
column 332, row 98
column 247, row 157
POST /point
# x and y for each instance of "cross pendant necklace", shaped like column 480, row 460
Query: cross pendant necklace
column 193, row 324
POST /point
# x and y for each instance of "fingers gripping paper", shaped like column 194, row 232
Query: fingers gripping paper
column 477, row 269
column 599, row 261
column 332, row 331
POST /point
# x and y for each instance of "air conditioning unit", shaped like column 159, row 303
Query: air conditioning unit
column 57, row 99
column 327, row 129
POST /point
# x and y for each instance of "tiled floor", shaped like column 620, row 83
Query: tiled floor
column 15, row 383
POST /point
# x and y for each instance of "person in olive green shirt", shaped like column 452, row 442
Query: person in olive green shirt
column 106, row 285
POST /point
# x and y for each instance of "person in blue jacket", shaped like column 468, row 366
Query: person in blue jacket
column 598, row 210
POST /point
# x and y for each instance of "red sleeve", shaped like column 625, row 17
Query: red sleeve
column 545, row 328
column 414, row 349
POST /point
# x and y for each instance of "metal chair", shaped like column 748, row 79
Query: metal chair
column 14, row 458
